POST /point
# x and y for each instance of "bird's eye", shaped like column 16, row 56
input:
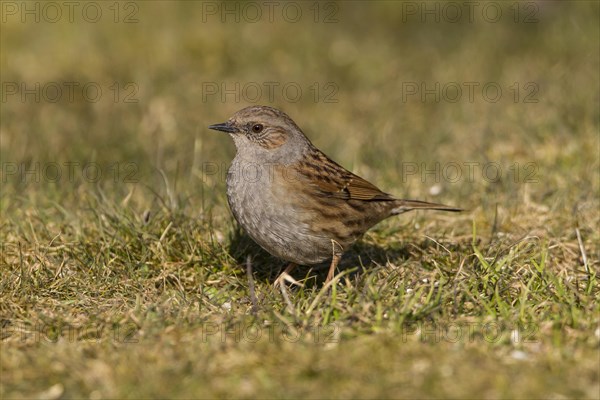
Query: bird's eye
column 257, row 128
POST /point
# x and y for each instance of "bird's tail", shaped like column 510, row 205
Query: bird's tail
column 403, row 206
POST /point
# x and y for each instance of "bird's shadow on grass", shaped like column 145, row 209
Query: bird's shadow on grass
column 265, row 267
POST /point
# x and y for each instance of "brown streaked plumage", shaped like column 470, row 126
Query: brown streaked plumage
column 292, row 199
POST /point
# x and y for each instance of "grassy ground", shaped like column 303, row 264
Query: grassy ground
column 124, row 275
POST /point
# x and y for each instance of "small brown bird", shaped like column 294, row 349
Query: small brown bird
column 292, row 199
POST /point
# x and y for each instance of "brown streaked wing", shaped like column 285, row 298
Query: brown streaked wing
column 331, row 179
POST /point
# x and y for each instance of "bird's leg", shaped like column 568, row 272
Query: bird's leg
column 334, row 262
column 337, row 256
column 285, row 276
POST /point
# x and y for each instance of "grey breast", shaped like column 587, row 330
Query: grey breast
column 270, row 217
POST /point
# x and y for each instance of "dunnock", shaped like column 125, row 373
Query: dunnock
column 292, row 199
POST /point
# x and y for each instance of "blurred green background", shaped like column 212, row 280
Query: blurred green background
column 168, row 69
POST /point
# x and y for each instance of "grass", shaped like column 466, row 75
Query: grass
column 135, row 284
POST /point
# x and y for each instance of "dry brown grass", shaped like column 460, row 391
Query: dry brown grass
column 127, row 288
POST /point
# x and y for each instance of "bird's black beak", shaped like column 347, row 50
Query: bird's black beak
column 224, row 127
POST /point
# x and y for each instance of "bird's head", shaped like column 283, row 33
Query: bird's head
column 262, row 131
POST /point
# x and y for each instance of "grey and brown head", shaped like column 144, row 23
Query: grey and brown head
column 261, row 131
